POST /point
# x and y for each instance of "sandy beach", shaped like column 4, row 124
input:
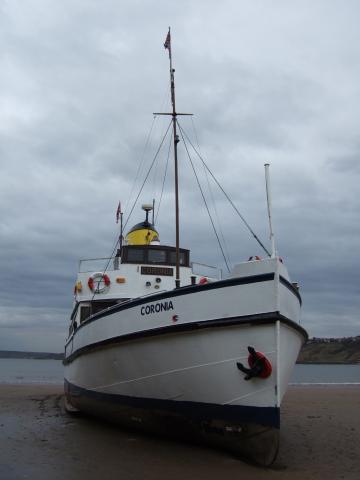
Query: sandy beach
column 320, row 438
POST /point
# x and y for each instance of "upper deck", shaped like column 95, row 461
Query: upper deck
column 137, row 271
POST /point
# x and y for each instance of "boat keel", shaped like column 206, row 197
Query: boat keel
column 252, row 442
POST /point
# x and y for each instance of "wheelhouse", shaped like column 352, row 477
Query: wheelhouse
column 154, row 255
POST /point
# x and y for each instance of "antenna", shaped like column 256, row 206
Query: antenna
column 268, row 198
column 147, row 207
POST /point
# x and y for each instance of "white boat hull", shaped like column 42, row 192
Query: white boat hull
column 174, row 368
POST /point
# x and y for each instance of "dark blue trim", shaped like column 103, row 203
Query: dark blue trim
column 177, row 292
column 258, row 319
column 189, row 289
column 291, row 287
column 269, row 416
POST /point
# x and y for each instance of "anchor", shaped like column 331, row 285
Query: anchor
column 258, row 363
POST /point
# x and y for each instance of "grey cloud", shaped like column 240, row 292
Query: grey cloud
column 79, row 84
column 346, row 164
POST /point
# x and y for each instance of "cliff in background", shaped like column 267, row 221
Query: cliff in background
column 331, row 350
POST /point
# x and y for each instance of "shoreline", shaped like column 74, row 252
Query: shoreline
column 327, row 363
column 60, row 384
column 319, row 437
column 61, row 358
column 324, row 384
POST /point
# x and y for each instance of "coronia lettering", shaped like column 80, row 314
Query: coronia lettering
column 157, row 307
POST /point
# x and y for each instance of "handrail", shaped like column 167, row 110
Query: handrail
column 212, row 267
column 83, row 261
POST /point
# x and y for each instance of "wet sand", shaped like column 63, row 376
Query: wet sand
column 320, row 438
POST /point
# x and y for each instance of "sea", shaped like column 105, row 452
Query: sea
column 29, row 371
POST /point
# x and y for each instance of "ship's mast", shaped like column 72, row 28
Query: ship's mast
column 176, row 141
column 174, row 114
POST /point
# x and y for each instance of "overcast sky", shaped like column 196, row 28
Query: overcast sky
column 275, row 82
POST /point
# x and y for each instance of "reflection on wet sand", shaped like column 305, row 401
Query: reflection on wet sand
column 320, row 438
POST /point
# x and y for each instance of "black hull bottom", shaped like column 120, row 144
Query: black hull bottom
column 254, row 442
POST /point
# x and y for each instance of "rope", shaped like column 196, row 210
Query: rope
column 163, row 183
column 141, row 163
column 148, row 173
column 212, row 196
column 132, row 208
column 203, row 196
column 226, row 195
column 106, row 267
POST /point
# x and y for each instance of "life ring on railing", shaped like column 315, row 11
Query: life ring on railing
column 98, row 276
column 255, row 257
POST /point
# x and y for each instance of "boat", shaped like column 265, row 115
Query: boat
column 154, row 345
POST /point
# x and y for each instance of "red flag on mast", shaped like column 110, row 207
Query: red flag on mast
column 167, row 43
column 118, row 212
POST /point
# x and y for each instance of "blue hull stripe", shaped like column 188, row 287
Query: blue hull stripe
column 267, row 416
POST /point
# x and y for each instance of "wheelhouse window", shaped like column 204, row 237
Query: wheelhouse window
column 136, row 255
column 182, row 258
column 157, row 256
column 154, row 255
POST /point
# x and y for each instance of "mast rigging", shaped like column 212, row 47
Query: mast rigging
column 175, row 137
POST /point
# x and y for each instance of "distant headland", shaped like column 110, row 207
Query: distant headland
column 331, row 350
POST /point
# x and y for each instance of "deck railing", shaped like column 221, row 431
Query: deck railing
column 98, row 264
column 88, row 265
column 206, row 270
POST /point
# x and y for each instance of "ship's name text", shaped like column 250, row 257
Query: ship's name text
column 157, row 307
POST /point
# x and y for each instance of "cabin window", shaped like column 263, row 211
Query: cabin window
column 154, row 255
column 85, row 312
column 135, row 255
column 103, row 305
column 157, row 256
column 182, row 258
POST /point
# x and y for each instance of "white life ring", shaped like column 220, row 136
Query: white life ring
column 96, row 279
